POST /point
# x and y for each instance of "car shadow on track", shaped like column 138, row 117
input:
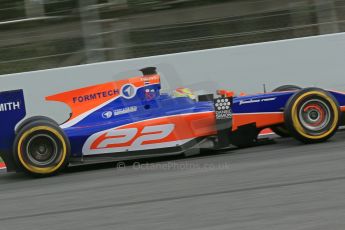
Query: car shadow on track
column 162, row 159
column 129, row 163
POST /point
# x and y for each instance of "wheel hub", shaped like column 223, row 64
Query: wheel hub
column 42, row 149
column 314, row 115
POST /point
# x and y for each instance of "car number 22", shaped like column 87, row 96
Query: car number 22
column 129, row 139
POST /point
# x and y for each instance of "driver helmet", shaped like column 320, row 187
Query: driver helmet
column 184, row 92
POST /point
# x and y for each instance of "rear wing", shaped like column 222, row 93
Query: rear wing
column 12, row 111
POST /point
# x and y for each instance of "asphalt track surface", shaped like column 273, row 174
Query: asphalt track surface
column 286, row 185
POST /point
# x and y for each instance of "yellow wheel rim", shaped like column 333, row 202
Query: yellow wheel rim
column 43, row 170
column 297, row 124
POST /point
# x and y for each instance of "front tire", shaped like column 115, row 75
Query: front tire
column 41, row 148
column 312, row 115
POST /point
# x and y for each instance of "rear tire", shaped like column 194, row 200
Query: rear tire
column 32, row 119
column 312, row 115
column 281, row 130
column 41, row 149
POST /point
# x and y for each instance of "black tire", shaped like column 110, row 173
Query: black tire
column 41, row 149
column 32, row 119
column 312, row 115
column 287, row 88
column 281, row 130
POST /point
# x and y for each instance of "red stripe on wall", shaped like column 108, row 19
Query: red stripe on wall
column 2, row 165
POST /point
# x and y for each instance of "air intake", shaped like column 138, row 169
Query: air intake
column 149, row 71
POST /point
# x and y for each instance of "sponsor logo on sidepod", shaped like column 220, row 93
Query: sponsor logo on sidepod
column 251, row 101
column 128, row 91
column 109, row 114
column 95, row 96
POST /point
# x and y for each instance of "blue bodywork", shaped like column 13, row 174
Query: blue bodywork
column 165, row 105
column 261, row 103
column 160, row 105
column 12, row 111
column 131, row 110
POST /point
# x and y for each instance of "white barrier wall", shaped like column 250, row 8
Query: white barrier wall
column 313, row 61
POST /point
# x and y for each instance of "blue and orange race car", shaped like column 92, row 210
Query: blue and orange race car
column 132, row 118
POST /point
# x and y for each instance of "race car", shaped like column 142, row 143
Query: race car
column 132, row 118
